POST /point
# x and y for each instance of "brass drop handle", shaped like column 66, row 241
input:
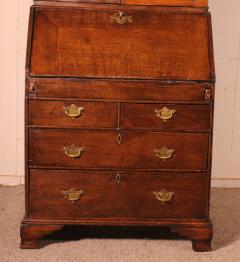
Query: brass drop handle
column 165, row 113
column 120, row 18
column 73, row 151
column 73, row 111
column 164, row 153
column 164, row 196
column 72, row 194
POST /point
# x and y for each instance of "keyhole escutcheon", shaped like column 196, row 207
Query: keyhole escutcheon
column 118, row 178
column 119, row 138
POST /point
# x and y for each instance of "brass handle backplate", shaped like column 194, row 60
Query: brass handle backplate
column 72, row 194
column 165, row 113
column 73, row 151
column 73, row 111
column 121, row 18
column 164, row 153
column 164, row 196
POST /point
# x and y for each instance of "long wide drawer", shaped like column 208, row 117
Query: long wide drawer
column 73, row 114
column 103, row 194
column 84, row 149
column 166, row 117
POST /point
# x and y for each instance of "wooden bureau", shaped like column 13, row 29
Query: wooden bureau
column 119, row 117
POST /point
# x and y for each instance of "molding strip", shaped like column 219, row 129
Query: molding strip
column 226, row 182
column 9, row 180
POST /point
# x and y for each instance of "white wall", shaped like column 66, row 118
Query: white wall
column 13, row 31
column 226, row 151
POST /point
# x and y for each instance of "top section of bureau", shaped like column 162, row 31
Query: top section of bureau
column 187, row 3
column 121, row 42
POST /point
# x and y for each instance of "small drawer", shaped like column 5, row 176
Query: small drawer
column 107, row 194
column 73, row 114
column 130, row 150
column 166, row 117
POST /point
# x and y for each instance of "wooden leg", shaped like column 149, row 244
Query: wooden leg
column 201, row 245
column 31, row 234
column 199, row 234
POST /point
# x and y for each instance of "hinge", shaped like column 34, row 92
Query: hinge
column 31, row 87
column 207, row 94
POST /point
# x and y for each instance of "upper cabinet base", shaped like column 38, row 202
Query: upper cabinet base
column 188, row 3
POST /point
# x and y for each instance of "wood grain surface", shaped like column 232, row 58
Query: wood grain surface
column 101, row 149
column 52, row 114
column 161, row 56
column 120, row 90
column 132, row 198
column 177, row 49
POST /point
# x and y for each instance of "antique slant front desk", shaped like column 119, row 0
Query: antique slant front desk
column 119, row 113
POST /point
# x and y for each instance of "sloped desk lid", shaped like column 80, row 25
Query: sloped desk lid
column 89, row 43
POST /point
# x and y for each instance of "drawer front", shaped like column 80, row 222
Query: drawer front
column 73, row 114
column 84, row 149
column 166, row 117
column 105, row 44
column 138, row 195
column 121, row 90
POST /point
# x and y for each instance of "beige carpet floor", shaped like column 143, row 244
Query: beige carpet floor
column 225, row 214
